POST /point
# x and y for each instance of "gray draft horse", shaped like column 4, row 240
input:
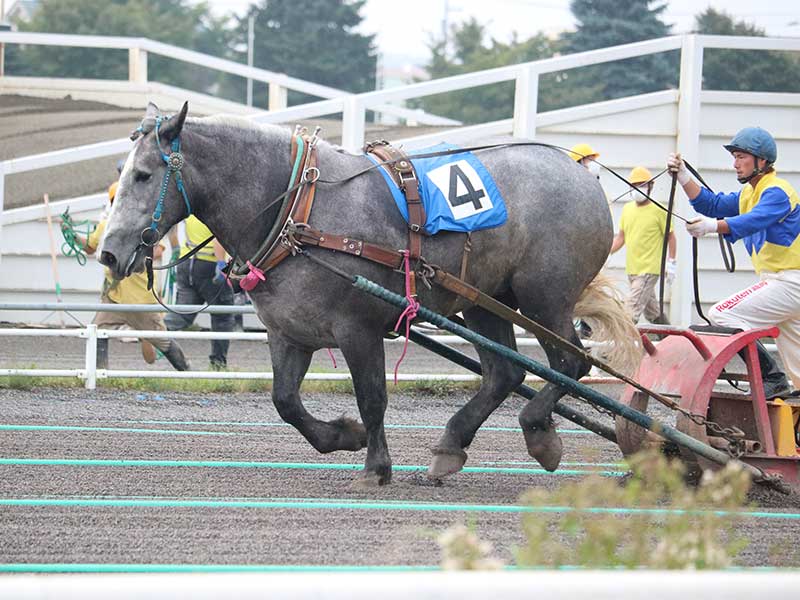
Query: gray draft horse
column 542, row 261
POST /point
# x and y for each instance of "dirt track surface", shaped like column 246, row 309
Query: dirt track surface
column 283, row 528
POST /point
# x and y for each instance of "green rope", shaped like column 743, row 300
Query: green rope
column 70, row 229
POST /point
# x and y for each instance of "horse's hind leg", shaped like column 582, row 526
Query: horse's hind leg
column 290, row 364
column 541, row 439
column 500, row 377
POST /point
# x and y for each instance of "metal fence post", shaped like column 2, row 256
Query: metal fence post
column 353, row 117
column 2, row 202
column 137, row 65
column 688, row 144
column 91, row 356
column 278, row 97
column 526, row 99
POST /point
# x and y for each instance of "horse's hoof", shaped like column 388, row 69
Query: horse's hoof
column 369, row 480
column 545, row 446
column 352, row 434
column 446, row 462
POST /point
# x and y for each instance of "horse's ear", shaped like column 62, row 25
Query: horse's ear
column 172, row 128
column 152, row 111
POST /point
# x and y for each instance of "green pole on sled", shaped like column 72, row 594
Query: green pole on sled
column 525, row 391
column 572, row 386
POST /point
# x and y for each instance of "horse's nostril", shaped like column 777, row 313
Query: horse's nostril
column 107, row 259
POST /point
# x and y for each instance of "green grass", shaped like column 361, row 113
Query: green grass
column 201, row 386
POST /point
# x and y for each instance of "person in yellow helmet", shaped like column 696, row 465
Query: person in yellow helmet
column 200, row 279
column 641, row 228
column 131, row 290
column 586, row 156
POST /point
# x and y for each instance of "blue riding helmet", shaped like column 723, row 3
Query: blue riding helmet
column 759, row 143
column 755, row 141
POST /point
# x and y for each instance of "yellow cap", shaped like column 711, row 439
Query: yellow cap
column 639, row 175
column 112, row 190
column 579, row 151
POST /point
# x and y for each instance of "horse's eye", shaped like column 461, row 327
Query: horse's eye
column 141, row 176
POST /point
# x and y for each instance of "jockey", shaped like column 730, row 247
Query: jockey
column 764, row 214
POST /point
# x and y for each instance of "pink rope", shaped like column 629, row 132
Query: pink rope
column 333, row 358
column 253, row 278
column 409, row 314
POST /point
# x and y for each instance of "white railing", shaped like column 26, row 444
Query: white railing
column 90, row 373
column 523, row 124
column 139, row 48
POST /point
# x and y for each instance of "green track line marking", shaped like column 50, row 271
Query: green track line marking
column 231, row 464
column 302, row 503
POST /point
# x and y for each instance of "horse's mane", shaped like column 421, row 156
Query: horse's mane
column 243, row 124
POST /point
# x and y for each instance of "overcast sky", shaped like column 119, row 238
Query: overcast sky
column 404, row 27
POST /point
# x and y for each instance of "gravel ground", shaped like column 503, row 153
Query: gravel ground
column 245, row 427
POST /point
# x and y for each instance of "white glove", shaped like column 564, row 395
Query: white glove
column 670, row 269
column 675, row 164
column 700, row 226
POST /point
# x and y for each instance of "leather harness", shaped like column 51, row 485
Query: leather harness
column 296, row 232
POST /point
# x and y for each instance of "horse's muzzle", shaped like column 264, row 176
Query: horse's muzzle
column 119, row 270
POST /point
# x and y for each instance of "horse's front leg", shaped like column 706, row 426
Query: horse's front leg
column 365, row 358
column 290, row 364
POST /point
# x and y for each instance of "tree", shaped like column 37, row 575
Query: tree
column 469, row 51
column 315, row 40
column 171, row 21
column 744, row 70
column 604, row 23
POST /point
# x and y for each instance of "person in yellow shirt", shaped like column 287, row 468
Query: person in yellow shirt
column 586, row 156
column 131, row 290
column 765, row 215
column 641, row 228
column 200, row 279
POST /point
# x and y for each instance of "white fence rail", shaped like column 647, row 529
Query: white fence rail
column 420, row 585
column 689, row 120
column 90, row 373
column 139, row 48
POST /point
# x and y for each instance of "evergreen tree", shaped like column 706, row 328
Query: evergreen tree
column 174, row 22
column 315, row 40
column 744, row 70
column 470, row 51
column 604, row 23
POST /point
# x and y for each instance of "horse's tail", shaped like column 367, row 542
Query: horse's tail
column 600, row 305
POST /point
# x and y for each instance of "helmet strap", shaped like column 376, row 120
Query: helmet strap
column 756, row 170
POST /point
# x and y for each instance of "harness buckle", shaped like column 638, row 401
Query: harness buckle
column 415, row 227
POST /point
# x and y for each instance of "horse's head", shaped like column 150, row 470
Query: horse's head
column 150, row 198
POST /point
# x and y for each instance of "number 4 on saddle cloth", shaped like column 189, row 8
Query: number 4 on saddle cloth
column 457, row 191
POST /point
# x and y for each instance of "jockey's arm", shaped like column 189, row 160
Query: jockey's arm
column 671, row 245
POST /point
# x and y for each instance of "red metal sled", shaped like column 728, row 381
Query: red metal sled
column 686, row 365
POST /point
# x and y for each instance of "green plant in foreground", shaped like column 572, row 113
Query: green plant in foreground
column 689, row 535
column 463, row 550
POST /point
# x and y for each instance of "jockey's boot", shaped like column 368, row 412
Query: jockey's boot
column 101, row 361
column 174, row 354
column 775, row 382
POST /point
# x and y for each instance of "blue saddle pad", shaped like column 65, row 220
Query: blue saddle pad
column 457, row 191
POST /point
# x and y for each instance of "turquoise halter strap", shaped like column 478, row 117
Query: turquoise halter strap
column 174, row 162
